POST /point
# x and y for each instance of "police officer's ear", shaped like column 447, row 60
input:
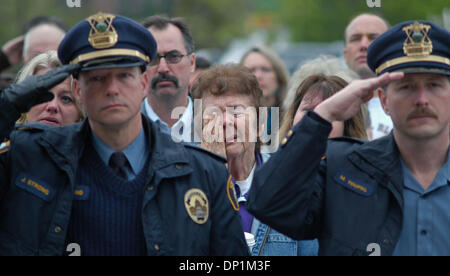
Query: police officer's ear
column 76, row 89
column 382, row 95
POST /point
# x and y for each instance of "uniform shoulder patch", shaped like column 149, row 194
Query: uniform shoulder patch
column 4, row 147
column 231, row 193
column 197, row 205
column 212, row 154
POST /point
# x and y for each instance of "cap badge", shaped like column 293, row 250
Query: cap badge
column 103, row 34
column 197, row 206
column 417, row 44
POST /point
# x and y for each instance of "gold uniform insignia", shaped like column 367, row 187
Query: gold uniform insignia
column 197, row 205
column 231, row 193
column 103, row 34
column 417, row 44
column 417, row 47
column 4, row 148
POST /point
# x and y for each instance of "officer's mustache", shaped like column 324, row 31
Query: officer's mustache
column 165, row 77
column 421, row 111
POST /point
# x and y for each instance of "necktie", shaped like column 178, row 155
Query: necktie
column 118, row 163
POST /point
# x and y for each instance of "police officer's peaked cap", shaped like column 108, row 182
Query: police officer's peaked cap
column 107, row 41
column 411, row 47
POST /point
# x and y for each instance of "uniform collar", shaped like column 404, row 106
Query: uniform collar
column 169, row 159
column 136, row 152
column 380, row 159
column 441, row 179
column 66, row 145
column 382, row 153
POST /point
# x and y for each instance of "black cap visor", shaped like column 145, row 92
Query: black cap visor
column 112, row 62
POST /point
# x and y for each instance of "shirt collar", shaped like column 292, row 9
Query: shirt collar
column 183, row 125
column 441, row 179
column 136, row 152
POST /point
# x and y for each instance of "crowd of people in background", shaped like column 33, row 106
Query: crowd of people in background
column 279, row 88
column 263, row 187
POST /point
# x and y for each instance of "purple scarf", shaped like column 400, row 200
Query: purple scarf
column 246, row 217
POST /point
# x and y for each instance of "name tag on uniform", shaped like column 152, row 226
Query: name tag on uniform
column 36, row 187
column 81, row 193
column 353, row 184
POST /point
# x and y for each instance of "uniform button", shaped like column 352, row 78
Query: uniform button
column 386, row 241
column 58, row 229
column 157, row 248
column 179, row 167
column 284, row 142
column 150, row 188
column 290, row 133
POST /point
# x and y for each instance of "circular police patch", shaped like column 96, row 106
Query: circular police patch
column 231, row 192
column 197, row 205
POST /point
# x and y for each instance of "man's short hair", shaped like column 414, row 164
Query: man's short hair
column 388, row 25
column 161, row 22
column 37, row 22
column 44, row 20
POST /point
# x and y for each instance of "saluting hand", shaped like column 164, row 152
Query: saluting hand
column 35, row 89
column 346, row 103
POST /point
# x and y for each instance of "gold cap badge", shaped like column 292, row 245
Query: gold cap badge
column 417, row 44
column 197, row 206
column 103, row 34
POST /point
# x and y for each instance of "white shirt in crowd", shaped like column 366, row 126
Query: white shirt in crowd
column 381, row 123
column 182, row 129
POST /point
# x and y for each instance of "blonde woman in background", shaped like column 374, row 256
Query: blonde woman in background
column 328, row 66
column 64, row 108
column 311, row 92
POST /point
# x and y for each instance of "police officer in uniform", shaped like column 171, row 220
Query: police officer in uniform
column 112, row 185
column 390, row 196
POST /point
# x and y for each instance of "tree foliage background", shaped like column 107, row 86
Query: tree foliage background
column 215, row 23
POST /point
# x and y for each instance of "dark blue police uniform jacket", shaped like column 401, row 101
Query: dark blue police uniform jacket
column 344, row 192
column 34, row 218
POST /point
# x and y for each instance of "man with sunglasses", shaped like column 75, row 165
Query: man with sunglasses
column 168, row 102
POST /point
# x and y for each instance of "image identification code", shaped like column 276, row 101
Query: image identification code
column 208, row 267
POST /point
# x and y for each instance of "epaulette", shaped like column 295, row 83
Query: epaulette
column 200, row 149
